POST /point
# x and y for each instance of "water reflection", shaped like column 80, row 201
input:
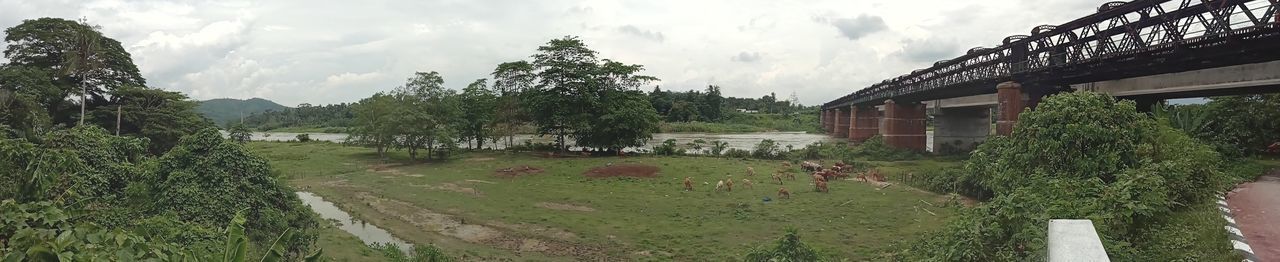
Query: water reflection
column 744, row 141
column 366, row 232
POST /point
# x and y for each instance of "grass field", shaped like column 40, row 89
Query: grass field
column 463, row 207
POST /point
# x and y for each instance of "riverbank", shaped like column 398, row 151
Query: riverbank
column 553, row 211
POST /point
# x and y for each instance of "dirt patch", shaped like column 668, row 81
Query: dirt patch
column 390, row 169
column 480, row 181
column 517, row 171
column 627, row 170
column 483, row 234
column 564, row 207
column 451, row 187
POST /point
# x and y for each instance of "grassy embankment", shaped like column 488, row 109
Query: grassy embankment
column 746, row 123
column 622, row 218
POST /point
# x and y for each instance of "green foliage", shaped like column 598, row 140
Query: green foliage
column 425, row 116
column 420, row 253
column 239, row 133
column 737, row 153
column 717, row 147
column 1078, row 155
column 766, row 149
column 478, row 102
column 1234, row 125
column 160, row 116
column 206, row 179
column 786, row 249
column 303, row 138
column 258, row 113
column 24, row 93
column 71, row 55
column 626, row 120
column 668, row 148
column 375, row 124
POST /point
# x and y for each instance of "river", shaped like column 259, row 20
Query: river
column 368, row 233
column 744, row 141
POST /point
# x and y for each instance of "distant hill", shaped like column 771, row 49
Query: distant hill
column 224, row 110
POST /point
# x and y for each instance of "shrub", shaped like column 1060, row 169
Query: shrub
column 737, row 153
column 787, row 248
column 668, row 148
column 304, row 138
column 718, row 147
column 1078, row 155
column 766, row 149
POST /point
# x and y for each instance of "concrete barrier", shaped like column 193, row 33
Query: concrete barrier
column 1075, row 240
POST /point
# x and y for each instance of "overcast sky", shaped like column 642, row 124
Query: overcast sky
column 320, row 51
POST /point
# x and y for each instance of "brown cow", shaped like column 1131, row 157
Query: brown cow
column 747, row 183
column 783, row 193
column 688, row 184
column 810, row 166
column 751, row 171
column 719, row 186
column 820, row 186
column 791, row 176
column 778, row 177
column 819, row 177
column 786, row 165
column 728, row 184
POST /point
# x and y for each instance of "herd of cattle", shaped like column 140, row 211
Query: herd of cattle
column 819, row 174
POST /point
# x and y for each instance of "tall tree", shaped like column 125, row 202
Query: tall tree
column 564, row 88
column 375, row 123
column 660, row 100
column 511, row 80
column 712, row 104
column 76, row 58
column 478, row 102
column 428, row 114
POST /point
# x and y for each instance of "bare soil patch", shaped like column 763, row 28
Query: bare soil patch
column 626, row 170
column 451, row 187
column 517, row 171
column 564, row 207
column 489, row 235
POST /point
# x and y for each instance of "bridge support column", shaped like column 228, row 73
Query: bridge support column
column 960, row 130
column 1009, row 97
column 904, row 125
column 826, row 120
column 866, row 123
column 842, row 122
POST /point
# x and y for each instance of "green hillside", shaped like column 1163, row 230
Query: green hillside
column 225, row 110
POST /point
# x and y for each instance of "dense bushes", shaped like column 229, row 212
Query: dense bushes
column 1234, row 125
column 787, row 248
column 1077, row 156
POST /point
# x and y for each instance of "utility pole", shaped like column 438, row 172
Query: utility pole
column 118, row 110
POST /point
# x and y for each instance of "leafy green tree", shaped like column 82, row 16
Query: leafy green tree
column 661, row 100
column 1242, row 125
column 627, row 120
column 477, row 119
column 563, row 95
column 511, row 80
column 376, row 124
column 21, row 106
column 712, row 104
column 427, row 115
column 75, row 58
column 161, row 116
column 682, row 111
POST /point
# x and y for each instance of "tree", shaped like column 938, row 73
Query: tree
column 23, row 93
column 661, row 100
column 427, row 114
column 160, row 116
column 75, row 58
column 478, row 103
column 564, row 93
column 628, row 120
column 712, row 104
column 511, row 80
column 786, row 249
column 375, row 123
column 239, row 133
column 682, row 111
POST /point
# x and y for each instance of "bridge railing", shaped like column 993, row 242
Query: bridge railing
column 1119, row 32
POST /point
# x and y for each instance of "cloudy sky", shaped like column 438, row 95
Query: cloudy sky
column 323, row 51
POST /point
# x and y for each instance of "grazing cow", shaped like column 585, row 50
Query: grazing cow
column 791, row 176
column 875, row 176
column 719, row 185
column 862, row 177
column 688, row 184
column 810, row 166
column 728, row 184
column 786, row 165
column 778, row 177
column 819, row 177
column 820, row 186
column 783, row 193
column 747, row 184
column 751, row 171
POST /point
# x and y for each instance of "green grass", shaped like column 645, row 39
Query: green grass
column 342, row 246
column 854, row 221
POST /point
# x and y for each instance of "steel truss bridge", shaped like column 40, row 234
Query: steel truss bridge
column 1120, row 40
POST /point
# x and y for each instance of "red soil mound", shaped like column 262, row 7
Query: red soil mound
column 623, row 170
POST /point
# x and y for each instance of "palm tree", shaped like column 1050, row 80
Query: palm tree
column 83, row 60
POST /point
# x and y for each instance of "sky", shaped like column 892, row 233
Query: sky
column 325, row 51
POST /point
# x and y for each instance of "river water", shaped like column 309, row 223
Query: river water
column 744, row 141
column 367, row 233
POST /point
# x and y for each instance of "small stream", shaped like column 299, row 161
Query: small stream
column 368, row 233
